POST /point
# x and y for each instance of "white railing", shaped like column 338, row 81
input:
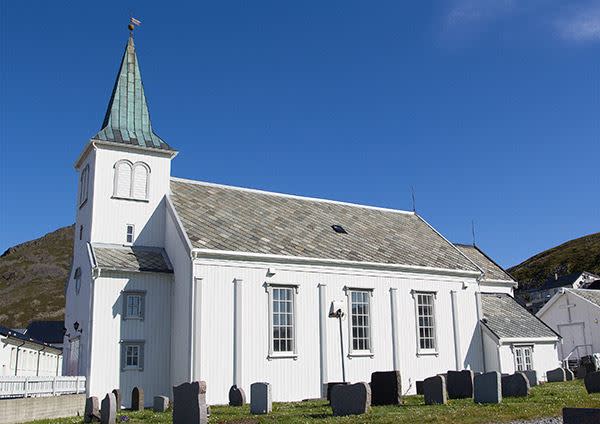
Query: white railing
column 576, row 349
column 11, row 386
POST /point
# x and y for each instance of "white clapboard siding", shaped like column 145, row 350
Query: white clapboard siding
column 140, row 181
column 123, row 180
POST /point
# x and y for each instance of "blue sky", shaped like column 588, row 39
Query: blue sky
column 490, row 109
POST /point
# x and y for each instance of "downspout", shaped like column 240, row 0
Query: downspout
column 237, row 332
column 395, row 347
column 457, row 349
column 479, row 324
column 323, row 336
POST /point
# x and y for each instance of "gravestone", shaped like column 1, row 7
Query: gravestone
column 137, row 399
column 592, row 382
column 351, row 399
column 260, row 398
column 434, row 390
column 557, row 375
column 108, row 410
column 487, row 388
column 386, row 388
column 581, row 372
column 460, row 384
column 237, row 397
column 515, row 385
column 92, row 410
column 160, row 404
column 117, row 393
column 420, row 387
column 570, row 375
column 581, row 415
column 189, row 403
column 331, row 386
column 531, row 377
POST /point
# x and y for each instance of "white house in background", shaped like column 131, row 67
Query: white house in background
column 575, row 315
column 513, row 338
column 21, row 355
column 176, row 280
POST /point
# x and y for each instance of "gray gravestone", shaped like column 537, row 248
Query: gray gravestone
column 460, row 384
column 420, row 387
column 581, row 372
column 434, row 390
column 160, row 404
column 487, row 388
column 92, row 410
column 117, row 394
column 570, row 375
column 137, row 399
column 189, row 403
column 515, row 385
column 237, row 397
column 331, row 385
column 108, row 410
column 351, row 399
column 386, row 388
column 260, row 398
column 581, row 415
column 592, row 382
column 531, row 377
column 556, row 375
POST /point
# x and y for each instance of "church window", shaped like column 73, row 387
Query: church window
column 132, row 355
column 523, row 358
column 134, row 305
column 139, row 186
column 122, row 183
column 83, row 185
column 282, row 300
column 129, row 233
column 426, row 323
column 131, row 180
column 360, row 320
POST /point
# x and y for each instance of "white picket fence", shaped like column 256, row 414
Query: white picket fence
column 12, row 387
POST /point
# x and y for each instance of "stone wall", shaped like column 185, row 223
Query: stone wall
column 35, row 408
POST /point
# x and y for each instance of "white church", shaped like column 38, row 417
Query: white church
column 177, row 280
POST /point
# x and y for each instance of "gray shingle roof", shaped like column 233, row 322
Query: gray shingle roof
column 232, row 219
column 492, row 271
column 591, row 295
column 507, row 319
column 131, row 258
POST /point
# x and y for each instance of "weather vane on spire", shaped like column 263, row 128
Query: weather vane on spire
column 133, row 23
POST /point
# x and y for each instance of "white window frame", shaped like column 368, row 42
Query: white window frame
column 289, row 353
column 141, row 295
column 137, row 344
column 84, row 180
column 132, row 167
column 415, row 295
column 127, row 226
column 370, row 352
column 519, row 350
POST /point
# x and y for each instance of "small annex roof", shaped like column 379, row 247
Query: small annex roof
column 127, row 119
column 224, row 218
column 589, row 295
column 491, row 270
column 7, row 332
column 564, row 280
column 47, row 331
column 131, row 258
column 506, row 319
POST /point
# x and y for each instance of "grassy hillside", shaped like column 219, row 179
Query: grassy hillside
column 582, row 254
column 32, row 279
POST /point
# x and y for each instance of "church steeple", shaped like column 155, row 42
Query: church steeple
column 127, row 120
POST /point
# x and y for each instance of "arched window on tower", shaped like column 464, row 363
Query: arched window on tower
column 141, row 172
column 131, row 180
column 122, row 184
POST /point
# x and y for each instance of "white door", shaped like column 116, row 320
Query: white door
column 573, row 336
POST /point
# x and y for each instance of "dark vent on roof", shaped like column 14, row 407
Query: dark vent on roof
column 339, row 229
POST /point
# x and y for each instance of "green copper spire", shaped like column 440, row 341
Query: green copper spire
column 127, row 120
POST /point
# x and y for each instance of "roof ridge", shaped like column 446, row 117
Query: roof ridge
column 291, row 196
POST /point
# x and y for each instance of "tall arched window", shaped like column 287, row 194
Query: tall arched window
column 131, row 180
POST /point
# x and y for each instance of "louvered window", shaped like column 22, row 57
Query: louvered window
column 123, row 179
column 140, row 181
column 131, row 180
column 84, row 184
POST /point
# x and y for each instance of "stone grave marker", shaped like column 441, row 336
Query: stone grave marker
column 460, row 384
column 531, row 377
column 570, row 375
column 117, row 393
column 351, row 399
column 556, row 375
column 487, row 388
column 419, row 385
column 592, row 382
column 92, row 410
column 189, row 403
column 386, row 388
column 434, row 390
column 581, row 415
column 515, row 385
column 160, row 404
column 237, row 397
column 108, row 409
column 260, row 398
column 331, row 385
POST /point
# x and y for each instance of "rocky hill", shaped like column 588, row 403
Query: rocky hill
column 32, row 279
column 582, row 254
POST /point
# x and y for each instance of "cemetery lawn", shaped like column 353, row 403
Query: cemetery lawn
column 545, row 401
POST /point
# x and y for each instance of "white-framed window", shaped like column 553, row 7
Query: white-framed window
column 129, row 233
column 77, row 277
column 132, row 355
column 134, row 304
column 425, row 322
column 523, row 358
column 359, row 321
column 282, row 320
column 84, row 179
column 131, row 180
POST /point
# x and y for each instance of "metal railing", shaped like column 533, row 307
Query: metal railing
column 12, row 387
column 577, row 350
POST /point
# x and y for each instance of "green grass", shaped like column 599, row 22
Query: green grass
column 545, row 401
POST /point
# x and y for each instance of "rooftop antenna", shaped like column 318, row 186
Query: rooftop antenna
column 414, row 203
column 473, row 231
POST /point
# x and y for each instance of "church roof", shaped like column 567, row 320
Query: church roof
column 233, row 219
column 131, row 258
column 127, row 120
column 590, row 295
column 491, row 270
column 505, row 318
